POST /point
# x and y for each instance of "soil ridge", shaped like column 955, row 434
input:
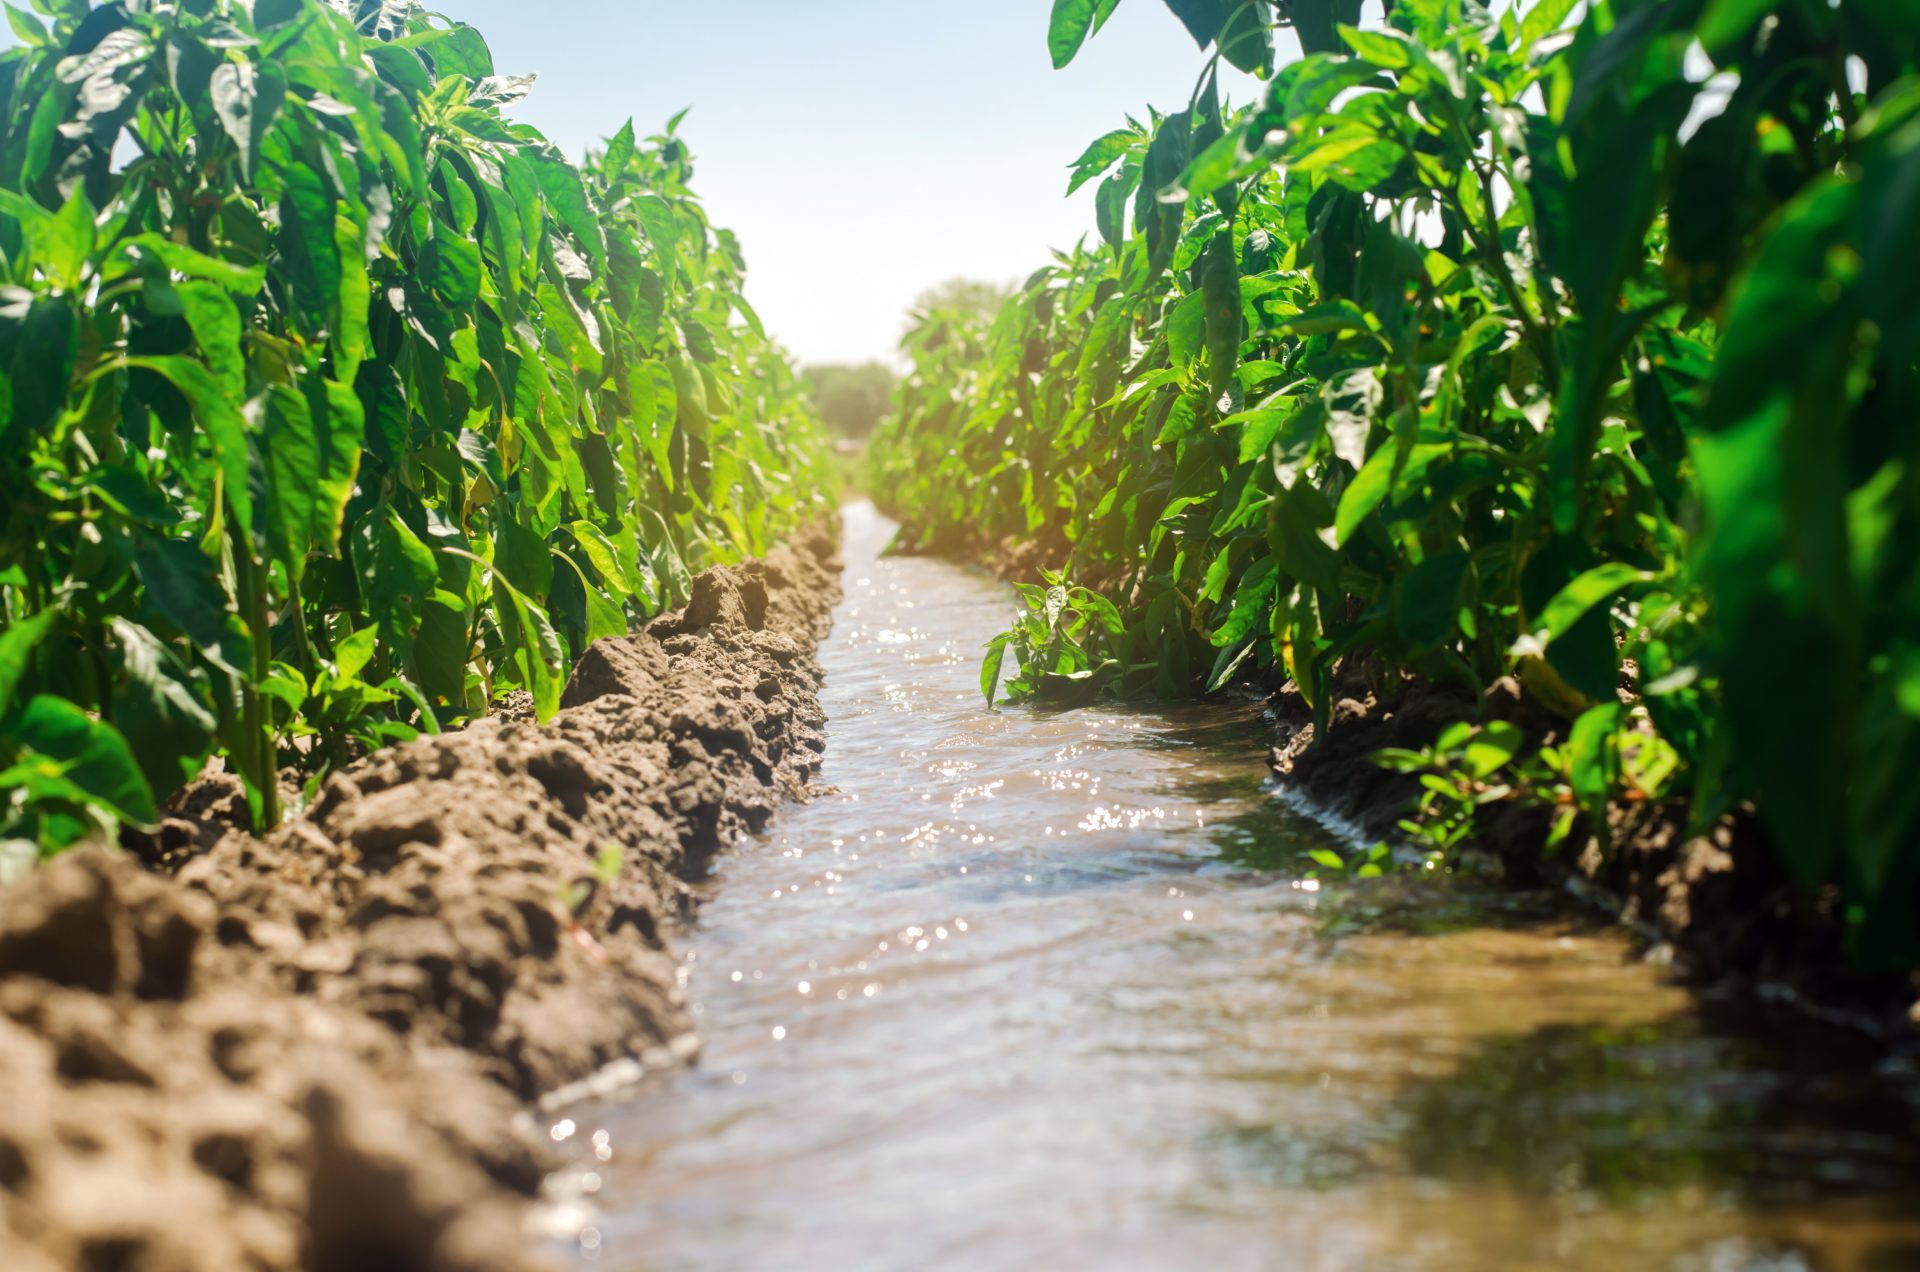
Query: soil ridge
column 1718, row 904
column 308, row 1051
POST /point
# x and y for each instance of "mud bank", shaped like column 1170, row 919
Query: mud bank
column 1718, row 904
column 309, row 1051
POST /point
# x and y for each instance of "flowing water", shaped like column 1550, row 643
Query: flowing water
column 1031, row 989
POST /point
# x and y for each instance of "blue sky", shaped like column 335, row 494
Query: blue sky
column 862, row 149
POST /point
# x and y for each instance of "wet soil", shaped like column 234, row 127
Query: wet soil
column 1719, row 903
column 313, row 1050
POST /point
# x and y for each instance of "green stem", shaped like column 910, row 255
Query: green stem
column 258, row 761
column 309, row 665
column 1494, row 251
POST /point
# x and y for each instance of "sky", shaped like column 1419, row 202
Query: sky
column 863, row 150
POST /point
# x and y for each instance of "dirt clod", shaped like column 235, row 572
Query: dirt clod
column 307, row 1051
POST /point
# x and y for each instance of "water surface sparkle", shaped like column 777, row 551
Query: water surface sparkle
column 1039, row 990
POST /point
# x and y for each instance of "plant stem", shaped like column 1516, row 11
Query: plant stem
column 258, row 766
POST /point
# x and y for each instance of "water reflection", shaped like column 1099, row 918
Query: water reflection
column 1048, row 989
column 1624, row 1113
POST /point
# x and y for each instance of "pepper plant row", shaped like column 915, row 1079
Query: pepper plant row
column 336, row 403
column 1569, row 342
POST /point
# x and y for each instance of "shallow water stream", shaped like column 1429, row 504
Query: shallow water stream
column 1046, row 990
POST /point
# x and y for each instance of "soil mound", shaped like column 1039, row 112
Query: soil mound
column 308, row 1051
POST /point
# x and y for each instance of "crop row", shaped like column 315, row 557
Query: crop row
column 1568, row 342
column 336, row 403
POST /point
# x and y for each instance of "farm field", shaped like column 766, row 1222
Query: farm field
column 1414, row 617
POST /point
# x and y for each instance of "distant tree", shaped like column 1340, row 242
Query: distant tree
column 965, row 296
column 851, row 399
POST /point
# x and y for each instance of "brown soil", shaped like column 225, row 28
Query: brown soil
column 1719, row 903
column 309, row 1051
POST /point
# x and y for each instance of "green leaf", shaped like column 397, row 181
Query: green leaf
column 63, row 243
column 180, row 585
column 459, row 50
column 42, row 365
column 352, row 339
column 1492, row 748
column 397, row 574
column 1220, row 278
column 1350, row 402
column 157, row 707
column 450, row 265
column 620, row 149
column 339, row 425
column 1246, row 38
column 17, row 644
column 310, row 247
column 1260, row 427
column 353, row 652
column 216, row 329
column 1073, row 21
column 1252, row 601
column 1102, row 154
column 990, row 667
column 606, row 557
column 1574, row 600
column 523, row 558
column 226, row 429
column 25, row 28
column 292, row 461
column 1187, row 330
column 605, row 619
column 1326, row 318
column 1728, row 20
column 1589, row 748
column 1318, row 23
column 247, row 98
column 1546, row 17
column 565, row 194
column 1427, row 599
column 1364, row 493
column 1110, row 205
column 444, row 647
column 537, row 660
column 242, row 280
column 94, row 756
column 1386, row 49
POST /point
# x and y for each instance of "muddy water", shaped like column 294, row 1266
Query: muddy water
column 1046, row 990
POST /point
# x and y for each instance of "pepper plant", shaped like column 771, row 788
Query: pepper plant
column 337, row 403
column 1561, row 341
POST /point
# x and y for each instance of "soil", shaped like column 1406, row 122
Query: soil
column 314, row 1050
column 1718, row 904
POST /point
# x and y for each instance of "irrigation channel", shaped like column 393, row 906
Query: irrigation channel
column 1027, row 988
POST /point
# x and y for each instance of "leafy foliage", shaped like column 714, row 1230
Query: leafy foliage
column 1565, row 342
column 851, row 400
column 337, row 403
